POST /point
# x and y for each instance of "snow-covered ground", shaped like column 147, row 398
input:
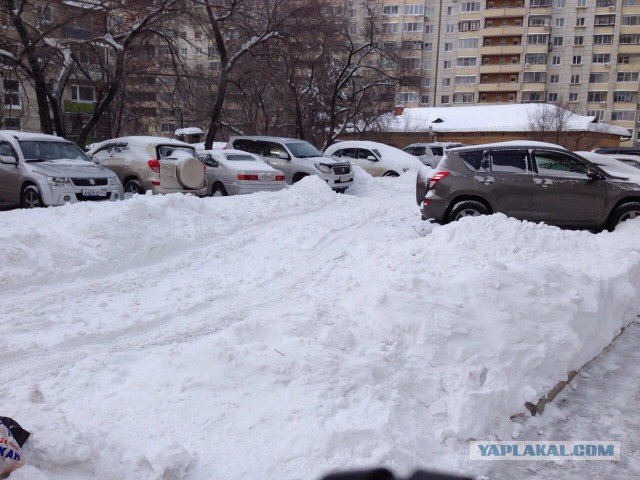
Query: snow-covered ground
column 286, row 334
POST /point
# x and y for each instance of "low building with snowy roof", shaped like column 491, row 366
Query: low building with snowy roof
column 492, row 123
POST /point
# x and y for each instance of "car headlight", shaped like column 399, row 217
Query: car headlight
column 323, row 168
column 58, row 180
column 113, row 181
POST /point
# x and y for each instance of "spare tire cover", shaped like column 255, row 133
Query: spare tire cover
column 189, row 170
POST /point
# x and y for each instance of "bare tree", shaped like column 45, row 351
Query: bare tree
column 551, row 120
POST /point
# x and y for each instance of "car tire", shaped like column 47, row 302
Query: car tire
column 132, row 187
column 30, row 197
column 626, row 211
column 218, row 190
column 391, row 174
column 467, row 208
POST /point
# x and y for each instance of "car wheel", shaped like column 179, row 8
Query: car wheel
column 132, row 187
column 31, row 197
column 218, row 190
column 624, row 212
column 468, row 208
column 391, row 174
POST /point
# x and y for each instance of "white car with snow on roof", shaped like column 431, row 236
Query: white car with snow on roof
column 234, row 172
column 155, row 164
column 377, row 159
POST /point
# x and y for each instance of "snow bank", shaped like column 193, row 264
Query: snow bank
column 286, row 334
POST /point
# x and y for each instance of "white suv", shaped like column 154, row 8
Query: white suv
column 430, row 153
column 297, row 159
column 156, row 164
column 39, row 170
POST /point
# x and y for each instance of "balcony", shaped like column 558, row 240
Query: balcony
column 71, row 106
column 502, row 50
column 504, row 12
column 499, row 87
column 504, row 68
column 508, row 30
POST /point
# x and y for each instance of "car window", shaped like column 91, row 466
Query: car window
column 437, row 151
column 303, row 150
column 513, row 161
column 364, row 154
column 349, row 153
column 6, row 150
column 274, row 150
column 237, row 157
column 559, row 164
column 409, row 150
column 45, row 150
column 247, row 146
column 165, row 151
column 208, row 160
column 473, row 159
column 418, row 151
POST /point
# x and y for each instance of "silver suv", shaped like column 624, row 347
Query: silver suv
column 39, row 170
column 297, row 159
column 532, row 181
column 156, row 164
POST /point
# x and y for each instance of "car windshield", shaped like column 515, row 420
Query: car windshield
column 239, row 157
column 303, row 150
column 44, row 150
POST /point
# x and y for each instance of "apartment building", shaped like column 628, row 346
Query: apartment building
column 583, row 54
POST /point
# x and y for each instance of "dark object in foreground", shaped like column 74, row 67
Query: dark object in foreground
column 19, row 433
column 384, row 474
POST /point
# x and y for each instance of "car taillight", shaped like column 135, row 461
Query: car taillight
column 279, row 178
column 242, row 176
column 436, row 178
column 154, row 165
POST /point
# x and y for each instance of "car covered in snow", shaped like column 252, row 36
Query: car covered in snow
column 377, row 159
column 296, row 159
column 632, row 160
column 38, row 170
column 234, row 172
column 155, row 164
column 430, row 153
column 533, row 181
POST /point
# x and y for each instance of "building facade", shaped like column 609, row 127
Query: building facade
column 581, row 54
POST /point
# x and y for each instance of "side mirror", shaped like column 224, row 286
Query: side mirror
column 284, row 156
column 8, row 160
column 372, row 158
column 593, row 174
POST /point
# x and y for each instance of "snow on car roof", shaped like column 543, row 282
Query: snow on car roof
column 189, row 131
column 31, row 136
column 609, row 163
column 510, row 143
column 143, row 141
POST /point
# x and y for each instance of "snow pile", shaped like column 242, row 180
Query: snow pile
column 286, row 334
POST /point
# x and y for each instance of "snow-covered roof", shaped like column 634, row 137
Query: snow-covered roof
column 142, row 140
column 485, row 118
column 30, row 136
column 189, row 131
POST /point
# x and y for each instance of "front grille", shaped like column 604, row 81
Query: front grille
column 86, row 182
column 82, row 198
column 341, row 170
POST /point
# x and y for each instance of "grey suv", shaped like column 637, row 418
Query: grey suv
column 39, row 170
column 530, row 181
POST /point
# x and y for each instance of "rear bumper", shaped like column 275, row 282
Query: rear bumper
column 158, row 189
column 246, row 189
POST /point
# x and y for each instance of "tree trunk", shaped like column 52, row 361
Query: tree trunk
column 216, row 111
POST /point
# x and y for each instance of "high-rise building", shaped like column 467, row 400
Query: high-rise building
column 581, row 54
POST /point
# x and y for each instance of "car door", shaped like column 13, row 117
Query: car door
column 505, row 178
column 373, row 167
column 567, row 196
column 213, row 171
column 103, row 154
column 9, row 176
column 272, row 152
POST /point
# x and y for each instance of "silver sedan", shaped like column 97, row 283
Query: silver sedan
column 234, row 172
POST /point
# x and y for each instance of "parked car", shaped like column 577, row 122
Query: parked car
column 618, row 150
column 296, row 159
column 156, row 164
column 530, row 181
column 39, row 170
column 375, row 158
column 234, row 172
column 430, row 153
column 613, row 164
column 633, row 160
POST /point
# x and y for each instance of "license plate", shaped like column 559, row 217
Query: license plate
column 345, row 179
column 166, row 170
column 95, row 193
column 265, row 176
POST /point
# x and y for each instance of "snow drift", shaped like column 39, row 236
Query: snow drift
column 286, row 334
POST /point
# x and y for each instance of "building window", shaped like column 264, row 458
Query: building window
column 582, row 3
column 82, row 93
column 465, row 79
column 466, row 61
column 557, row 41
column 559, row 22
column 447, row 64
column 426, row 100
column 534, row 77
column 625, row 96
column 538, row 39
column 390, row 10
column 448, row 47
column 627, row 77
column 168, row 127
column 411, row 63
column 599, row 114
column 554, row 79
column 463, row 97
column 467, row 43
column 444, row 99
column 605, row 20
column 469, row 26
column 573, row 96
column 601, row 58
column 470, row 7
column 552, row 97
column 414, row 9
column 408, row 97
column 630, row 39
column 536, row 58
column 623, row 116
column 603, row 39
column 389, row 28
column 575, row 79
column 578, row 41
column 576, row 60
column 561, row 3
column 599, row 78
column 555, row 60
column 12, row 123
column 580, row 22
column 446, row 82
column 631, row 20
column 12, row 94
column 412, row 27
column 597, row 97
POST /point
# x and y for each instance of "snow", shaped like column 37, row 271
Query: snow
column 484, row 118
column 189, row 131
column 286, row 334
column 513, row 143
column 141, row 141
column 391, row 157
